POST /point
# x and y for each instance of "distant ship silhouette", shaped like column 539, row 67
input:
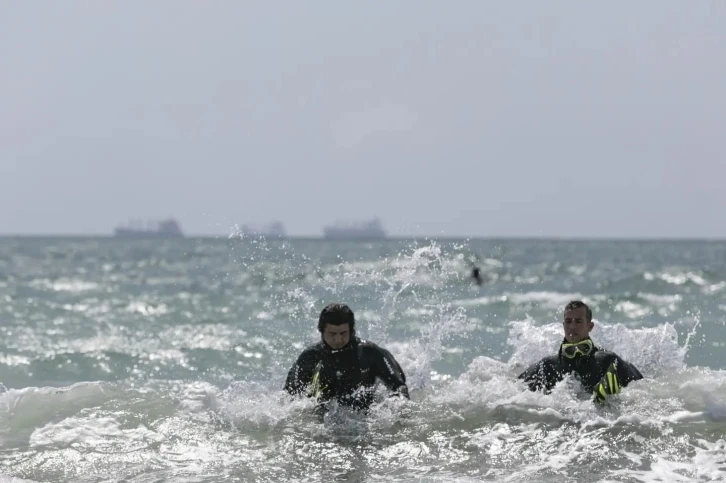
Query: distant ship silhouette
column 370, row 229
column 273, row 230
column 168, row 228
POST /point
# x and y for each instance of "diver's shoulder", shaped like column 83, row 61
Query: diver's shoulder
column 541, row 371
column 606, row 355
column 551, row 360
column 312, row 349
column 547, row 362
column 368, row 346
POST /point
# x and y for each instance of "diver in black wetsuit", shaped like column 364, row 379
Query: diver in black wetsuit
column 476, row 275
column 342, row 366
column 600, row 371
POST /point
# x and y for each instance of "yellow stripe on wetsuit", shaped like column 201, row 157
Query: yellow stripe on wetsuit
column 613, row 383
column 316, row 386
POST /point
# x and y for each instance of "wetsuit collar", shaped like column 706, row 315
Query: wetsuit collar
column 353, row 342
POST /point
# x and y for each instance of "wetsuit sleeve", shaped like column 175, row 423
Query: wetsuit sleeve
column 301, row 373
column 390, row 372
column 541, row 375
column 627, row 372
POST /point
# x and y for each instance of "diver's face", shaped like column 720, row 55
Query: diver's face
column 576, row 325
column 336, row 336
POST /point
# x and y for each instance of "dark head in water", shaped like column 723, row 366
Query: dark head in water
column 476, row 275
column 336, row 325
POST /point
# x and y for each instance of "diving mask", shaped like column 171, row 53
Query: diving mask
column 572, row 349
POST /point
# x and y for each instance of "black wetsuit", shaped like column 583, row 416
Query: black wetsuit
column 343, row 372
column 546, row 373
column 476, row 275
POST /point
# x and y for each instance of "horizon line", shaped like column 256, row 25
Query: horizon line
column 383, row 239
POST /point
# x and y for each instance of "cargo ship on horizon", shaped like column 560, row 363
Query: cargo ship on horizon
column 366, row 230
column 273, row 230
column 168, row 228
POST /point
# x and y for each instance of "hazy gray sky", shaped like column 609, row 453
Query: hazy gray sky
column 556, row 118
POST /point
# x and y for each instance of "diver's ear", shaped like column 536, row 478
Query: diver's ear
column 590, row 326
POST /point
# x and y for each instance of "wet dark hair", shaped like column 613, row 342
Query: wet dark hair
column 337, row 314
column 576, row 304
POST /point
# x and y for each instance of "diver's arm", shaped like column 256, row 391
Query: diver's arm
column 627, row 372
column 541, row 375
column 618, row 374
column 390, row 372
column 301, row 373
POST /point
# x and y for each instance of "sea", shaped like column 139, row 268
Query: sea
column 164, row 360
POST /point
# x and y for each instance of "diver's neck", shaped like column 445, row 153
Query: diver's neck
column 351, row 343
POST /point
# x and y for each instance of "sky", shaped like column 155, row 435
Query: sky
column 471, row 118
